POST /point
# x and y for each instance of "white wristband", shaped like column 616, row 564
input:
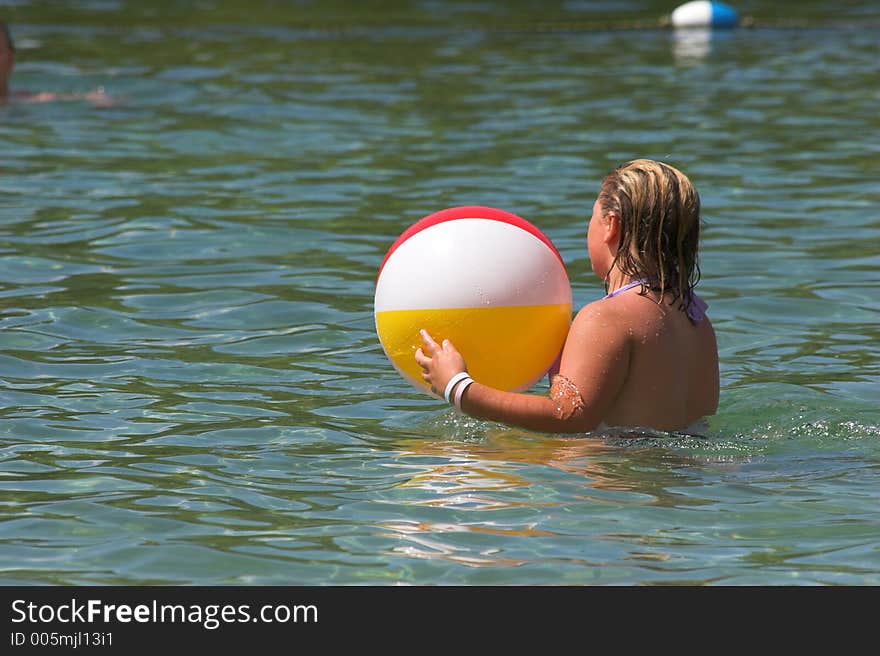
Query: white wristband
column 452, row 381
column 462, row 386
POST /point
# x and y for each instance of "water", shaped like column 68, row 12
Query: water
column 191, row 385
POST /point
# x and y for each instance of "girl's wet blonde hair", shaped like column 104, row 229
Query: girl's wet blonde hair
column 659, row 213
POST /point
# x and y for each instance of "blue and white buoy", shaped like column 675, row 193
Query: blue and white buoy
column 703, row 13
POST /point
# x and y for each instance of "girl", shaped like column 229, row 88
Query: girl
column 7, row 63
column 644, row 355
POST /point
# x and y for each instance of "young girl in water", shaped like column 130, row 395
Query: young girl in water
column 7, row 64
column 644, row 355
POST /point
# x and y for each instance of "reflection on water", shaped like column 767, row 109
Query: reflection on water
column 691, row 45
column 505, row 473
column 461, row 470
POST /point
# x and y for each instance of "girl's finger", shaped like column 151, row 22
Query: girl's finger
column 430, row 345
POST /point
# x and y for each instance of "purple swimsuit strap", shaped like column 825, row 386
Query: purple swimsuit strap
column 696, row 308
column 634, row 283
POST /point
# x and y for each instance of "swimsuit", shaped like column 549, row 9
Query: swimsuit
column 695, row 308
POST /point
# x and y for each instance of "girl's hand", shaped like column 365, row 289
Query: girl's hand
column 439, row 362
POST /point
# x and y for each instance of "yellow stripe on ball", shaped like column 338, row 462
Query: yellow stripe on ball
column 497, row 342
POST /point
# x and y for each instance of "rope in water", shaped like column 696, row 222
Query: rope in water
column 563, row 25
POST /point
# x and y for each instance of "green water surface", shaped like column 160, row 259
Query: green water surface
column 191, row 387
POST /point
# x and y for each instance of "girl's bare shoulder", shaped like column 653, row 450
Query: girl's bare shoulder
column 617, row 308
column 601, row 319
column 629, row 316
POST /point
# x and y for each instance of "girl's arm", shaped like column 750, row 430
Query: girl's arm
column 593, row 367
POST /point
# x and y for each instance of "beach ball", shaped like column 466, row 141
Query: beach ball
column 703, row 13
column 487, row 280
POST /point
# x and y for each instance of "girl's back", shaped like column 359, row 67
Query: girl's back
column 672, row 375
